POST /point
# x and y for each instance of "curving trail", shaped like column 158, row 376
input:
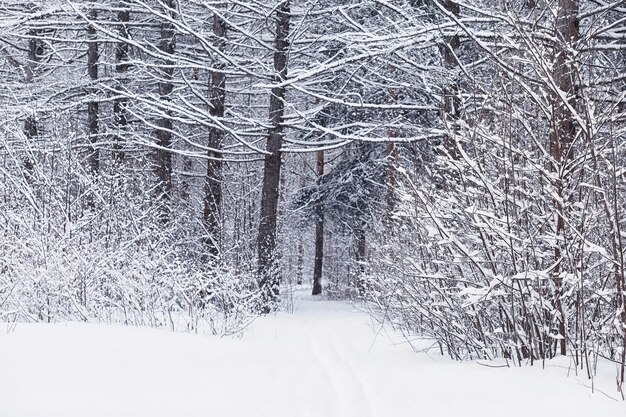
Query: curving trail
column 324, row 360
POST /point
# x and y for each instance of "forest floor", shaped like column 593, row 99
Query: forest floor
column 326, row 359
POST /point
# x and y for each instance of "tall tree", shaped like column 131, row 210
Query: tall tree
column 451, row 100
column 92, row 105
column 214, row 177
column 266, row 240
column 36, row 50
column 165, row 125
column 562, row 135
column 121, row 68
column 319, row 229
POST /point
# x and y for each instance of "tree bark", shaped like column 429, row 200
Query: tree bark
column 392, row 155
column 31, row 126
column 164, row 131
column 92, row 106
column 451, row 101
column 562, row 136
column 359, row 236
column 299, row 262
column 121, row 67
column 300, row 255
column 266, row 240
column 319, row 231
column 213, row 192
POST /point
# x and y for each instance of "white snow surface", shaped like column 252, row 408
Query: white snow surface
column 326, row 359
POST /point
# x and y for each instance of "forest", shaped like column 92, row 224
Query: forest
column 456, row 167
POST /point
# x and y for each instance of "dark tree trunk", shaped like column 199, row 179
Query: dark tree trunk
column 391, row 154
column 319, row 231
column 31, row 126
column 213, row 193
column 300, row 255
column 359, row 236
column 269, row 278
column 451, row 101
column 92, row 106
column 31, row 130
column 562, row 137
column 121, row 67
column 391, row 158
column 164, row 131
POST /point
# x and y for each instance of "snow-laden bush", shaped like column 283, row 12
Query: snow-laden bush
column 78, row 248
column 130, row 284
column 477, row 265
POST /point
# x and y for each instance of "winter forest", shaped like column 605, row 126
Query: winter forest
column 457, row 169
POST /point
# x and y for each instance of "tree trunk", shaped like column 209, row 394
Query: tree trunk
column 92, row 106
column 266, row 240
column 31, row 127
column 319, row 230
column 562, row 137
column 164, row 131
column 300, row 262
column 300, row 255
column 213, row 193
column 392, row 155
column 451, row 101
column 121, row 67
column 359, row 236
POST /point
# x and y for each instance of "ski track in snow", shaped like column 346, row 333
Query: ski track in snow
column 323, row 361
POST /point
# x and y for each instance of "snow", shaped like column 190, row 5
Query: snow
column 326, row 359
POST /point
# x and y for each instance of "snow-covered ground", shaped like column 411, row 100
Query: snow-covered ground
column 325, row 360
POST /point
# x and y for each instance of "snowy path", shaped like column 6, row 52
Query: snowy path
column 325, row 360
